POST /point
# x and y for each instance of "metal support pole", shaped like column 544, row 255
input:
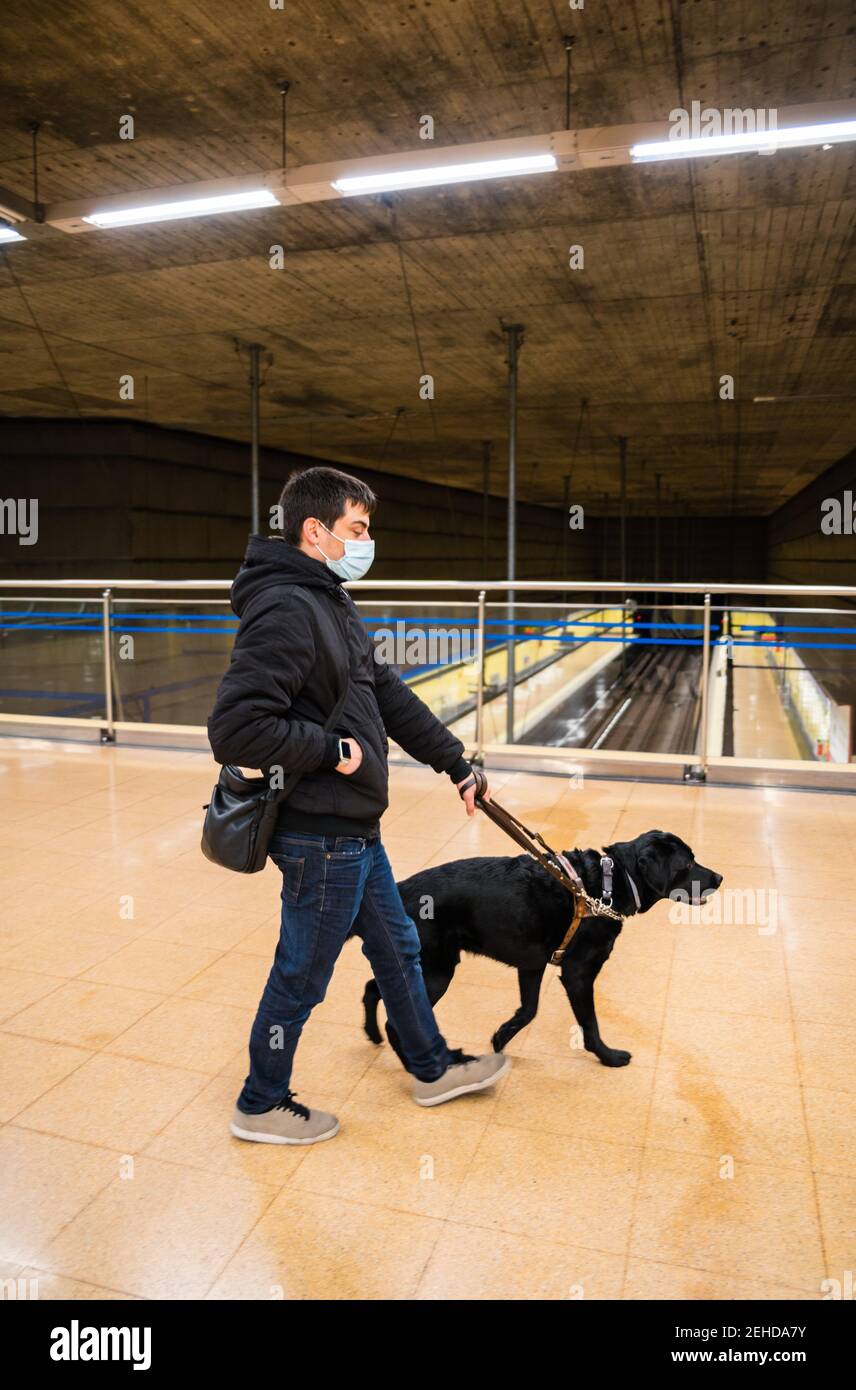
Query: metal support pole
column 566, row 525
column 108, row 735
column 568, row 42
column 622, row 462
column 515, row 338
column 604, row 564
column 480, row 651
column 705, row 681
column 657, row 477
column 486, row 445
column 255, row 349
column 674, row 553
column 622, row 448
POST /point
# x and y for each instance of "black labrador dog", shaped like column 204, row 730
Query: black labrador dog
column 511, row 910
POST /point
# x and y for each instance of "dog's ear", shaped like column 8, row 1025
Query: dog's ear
column 656, row 863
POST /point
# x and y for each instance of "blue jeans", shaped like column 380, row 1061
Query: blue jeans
column 331, row 884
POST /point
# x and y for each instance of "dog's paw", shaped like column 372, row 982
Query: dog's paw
column 497, row 1042
column 614, row 1057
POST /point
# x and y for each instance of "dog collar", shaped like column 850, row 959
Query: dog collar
column 607, row 864
column 636, row 897
column 606, row 867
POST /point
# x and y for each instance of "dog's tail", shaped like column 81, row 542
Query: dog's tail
column 371, row 999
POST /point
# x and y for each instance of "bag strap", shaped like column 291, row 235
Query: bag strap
column 328, row 724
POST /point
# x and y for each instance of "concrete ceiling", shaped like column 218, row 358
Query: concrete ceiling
column 740, row 266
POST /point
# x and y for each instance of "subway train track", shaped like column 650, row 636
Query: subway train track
column 651, row 706
column 660, row 709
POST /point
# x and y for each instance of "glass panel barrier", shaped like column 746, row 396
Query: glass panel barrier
column 168, row 658
column 52, row 657
column 611, row 676
column 431, row 645
column 604, row 668
column 559, row 648
column 791, row 689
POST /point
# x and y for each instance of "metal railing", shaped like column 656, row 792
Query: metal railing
column 475, row 594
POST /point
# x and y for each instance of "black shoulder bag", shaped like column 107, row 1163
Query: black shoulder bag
column 241, row 815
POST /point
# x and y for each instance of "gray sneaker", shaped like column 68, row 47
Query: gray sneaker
column 465, row 1074
column 289, row 1122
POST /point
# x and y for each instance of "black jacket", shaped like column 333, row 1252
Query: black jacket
column 299, row 634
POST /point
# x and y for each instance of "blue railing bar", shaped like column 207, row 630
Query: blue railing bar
column 830, row 631
column 82, row 696
column 798, row 646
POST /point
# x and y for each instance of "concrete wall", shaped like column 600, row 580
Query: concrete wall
column 695, row 548
column 797, row 549
column 128, row 499
column 122, row 500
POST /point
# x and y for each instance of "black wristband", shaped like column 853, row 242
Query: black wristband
column 331, row 752
column 461, row 770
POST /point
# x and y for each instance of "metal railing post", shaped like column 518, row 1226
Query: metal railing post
column 515, row 342
column 255, row 349
column 480, row 652
column 705, row 681
column 108, row 735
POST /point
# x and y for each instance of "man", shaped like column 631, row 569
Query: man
column 300, row 644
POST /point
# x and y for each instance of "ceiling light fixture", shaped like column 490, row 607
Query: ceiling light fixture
column 768, row 400
column 745, row 142
column 428, row 177
column 185, row 207
column 562, row 151
column 8, row 234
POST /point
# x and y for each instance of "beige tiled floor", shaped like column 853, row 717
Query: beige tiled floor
column 721, row 1163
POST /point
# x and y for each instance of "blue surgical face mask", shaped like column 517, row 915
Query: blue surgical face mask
column 355, row 562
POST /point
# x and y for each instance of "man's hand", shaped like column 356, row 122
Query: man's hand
column 349, row 765
column 467, row 792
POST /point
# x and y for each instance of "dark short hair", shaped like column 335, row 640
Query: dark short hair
column 321, row 492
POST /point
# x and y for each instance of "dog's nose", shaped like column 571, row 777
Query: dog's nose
column 717, row 879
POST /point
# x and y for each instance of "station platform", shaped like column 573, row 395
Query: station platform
column 718, row 1164
column 762, row 728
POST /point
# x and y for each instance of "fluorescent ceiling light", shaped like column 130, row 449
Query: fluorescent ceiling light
column 187, row 207
column 743, row 141
column 446, row 173
column 9, row 234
